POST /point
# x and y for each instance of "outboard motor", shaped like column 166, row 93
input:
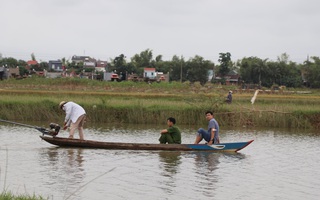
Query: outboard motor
column 54, row 129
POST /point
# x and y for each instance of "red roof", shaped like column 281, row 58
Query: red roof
column 150, row 69
column 32, row 62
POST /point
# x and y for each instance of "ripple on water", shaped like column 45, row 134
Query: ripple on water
column 277, row 165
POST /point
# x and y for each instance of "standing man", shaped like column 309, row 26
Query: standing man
column 75, row 117
column 171, row 135
column 212, row 134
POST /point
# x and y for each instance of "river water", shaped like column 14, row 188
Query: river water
column 279, row 164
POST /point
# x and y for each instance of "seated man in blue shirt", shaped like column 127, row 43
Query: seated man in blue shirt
column 212, row 134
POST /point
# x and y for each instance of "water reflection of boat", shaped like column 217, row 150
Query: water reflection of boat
column 64, row 169
column 170, row 161
column 66, row 142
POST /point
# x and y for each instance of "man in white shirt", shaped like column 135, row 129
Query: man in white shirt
column 75, row 117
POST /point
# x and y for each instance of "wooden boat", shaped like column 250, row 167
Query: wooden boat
column 66, row 142
column 49, row 135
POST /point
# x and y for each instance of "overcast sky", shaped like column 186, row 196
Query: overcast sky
column 104, row 29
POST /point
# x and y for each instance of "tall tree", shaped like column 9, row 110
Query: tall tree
column 119, row 64
column 312, row 72
column 33, row 57
column 9, row 62
column 42, row 66
column 284, row 58
column 266, row 73
column 197, row 69
column 177, row 69
column 225, row 63
column 248, row 69
column 64, row 61
column 160, row 65
column 143, row 59
column 119, row 61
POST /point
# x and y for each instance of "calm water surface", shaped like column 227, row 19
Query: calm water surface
column 277, row 165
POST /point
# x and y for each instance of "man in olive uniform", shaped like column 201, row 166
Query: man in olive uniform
column 171, row 135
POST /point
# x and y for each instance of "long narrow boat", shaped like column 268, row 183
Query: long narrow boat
column 66, row 142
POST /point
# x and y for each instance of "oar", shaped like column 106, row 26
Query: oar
column 41, row 129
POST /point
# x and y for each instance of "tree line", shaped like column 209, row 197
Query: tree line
column 252, row 70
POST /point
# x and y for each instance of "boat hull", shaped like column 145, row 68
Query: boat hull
column 66, row 142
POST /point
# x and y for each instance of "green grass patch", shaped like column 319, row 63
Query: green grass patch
column 7, row 195
column 129, row 102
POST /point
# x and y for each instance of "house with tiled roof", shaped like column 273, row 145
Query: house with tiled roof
column 32, row 64
column 13, row 72
column 101, row 66
column 87, row 61
column 231, row 78
column 149, row 73
column 55, row 65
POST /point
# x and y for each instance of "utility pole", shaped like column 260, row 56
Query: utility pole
column 181, row 70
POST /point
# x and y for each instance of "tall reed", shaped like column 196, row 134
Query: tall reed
column 141, row 103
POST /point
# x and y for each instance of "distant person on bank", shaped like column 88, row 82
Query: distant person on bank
column 75, row 117
column 172, row 134
column 2, row 68
column 212, row 134
column 229, row 97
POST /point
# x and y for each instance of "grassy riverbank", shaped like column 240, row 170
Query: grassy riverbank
column 36, row 99
column 9, row 196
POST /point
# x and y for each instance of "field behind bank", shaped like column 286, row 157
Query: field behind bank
column 37, row 99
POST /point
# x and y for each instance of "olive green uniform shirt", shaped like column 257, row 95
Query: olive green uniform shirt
column 172, row 137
